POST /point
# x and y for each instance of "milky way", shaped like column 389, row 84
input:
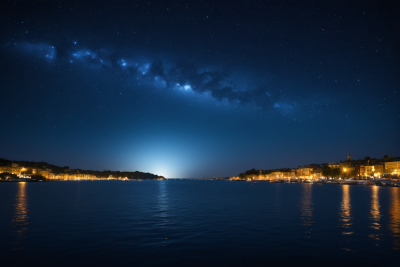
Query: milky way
column 160, row 73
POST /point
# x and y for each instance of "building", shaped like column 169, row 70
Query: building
column 5, row 169
column 73, row 176
column 371, row 170
column 304, row 172
column 281, row 175
column 392, row 167
column 317, row 174
column 13, row 170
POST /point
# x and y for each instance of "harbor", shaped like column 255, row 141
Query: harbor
column 374, row 182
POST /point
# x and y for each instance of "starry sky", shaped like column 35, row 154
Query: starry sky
column 190, row 89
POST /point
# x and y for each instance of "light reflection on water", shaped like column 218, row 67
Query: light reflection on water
column 20, row 219
column 162, row 219
column 162, row 202
column 394, row 223
column 307, row 207
column 346, row 210
column 375, row 213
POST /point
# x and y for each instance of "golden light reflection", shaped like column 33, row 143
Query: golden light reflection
column 346, row 210
column 375, row 213
column 307, row 207
column 20, row 220
column 394, row 223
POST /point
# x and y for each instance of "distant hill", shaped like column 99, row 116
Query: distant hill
column 66, row 169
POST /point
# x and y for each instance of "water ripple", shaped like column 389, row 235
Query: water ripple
column 198, row 223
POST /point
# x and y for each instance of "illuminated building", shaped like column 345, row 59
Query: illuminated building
column 5, row 169
column 304, row 172
column 392, row 167
column 317, row 174
column 281, row 175
column 372, row 170
column 77, row 176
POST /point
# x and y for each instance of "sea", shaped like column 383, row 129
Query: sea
column 198, row 223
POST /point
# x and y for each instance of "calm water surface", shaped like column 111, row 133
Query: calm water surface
column 198, row 223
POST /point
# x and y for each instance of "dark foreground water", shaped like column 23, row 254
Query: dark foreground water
column 198, row 223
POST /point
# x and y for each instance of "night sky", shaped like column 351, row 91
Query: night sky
column 198, row 88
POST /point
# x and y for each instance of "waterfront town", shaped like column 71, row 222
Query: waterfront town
column 348, row 171
column 41, row 171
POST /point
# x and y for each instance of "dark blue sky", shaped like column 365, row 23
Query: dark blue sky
column 202, row 89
